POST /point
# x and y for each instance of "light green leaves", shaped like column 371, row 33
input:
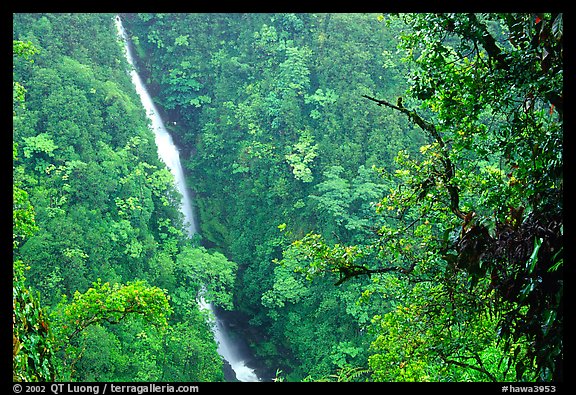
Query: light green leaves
column 286, row 289
column 41, row 148
column 111, row 303
column 211, row 271
column 301, row 157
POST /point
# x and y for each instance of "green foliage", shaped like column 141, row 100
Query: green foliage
column 303, row 153
column 25, row 50
column 183, row 86
column 32, row 341
column 435, row 205
column 347, row 206
column 133, row 350
column 33, row 356
column 110, row 304
column 286, row 289
column 192, row 351
column 211, row 271
column 92, row 201
column 41, row 147
column 344, row 375
column 23, row 216
column 526, row 107
column 462, row 219
column 441, row 334
column 23, row 224
column 281, row 117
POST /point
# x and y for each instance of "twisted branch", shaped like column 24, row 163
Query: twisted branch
column 445, row 159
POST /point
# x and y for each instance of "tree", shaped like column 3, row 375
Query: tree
column 212, row 275
column 33, row 354
column 26, row 50
column 91, row 201
column 303, row 153
column 105, row 303
column 474, row 138
column 281, row 116
column 32, row 343
column 23, row 216
column 491, row 106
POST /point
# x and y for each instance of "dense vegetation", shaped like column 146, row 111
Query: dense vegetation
column 97, row 232
column 389, row 186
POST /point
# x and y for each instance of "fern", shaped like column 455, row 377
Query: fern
column 348, row 374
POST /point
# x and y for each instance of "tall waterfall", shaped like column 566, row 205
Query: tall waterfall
column 168, row 152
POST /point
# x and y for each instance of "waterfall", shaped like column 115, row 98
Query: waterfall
column 227, row 348
column 167, row 151
column 169, row 154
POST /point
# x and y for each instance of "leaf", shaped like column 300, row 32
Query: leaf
column 555, row 267
column 531, row 264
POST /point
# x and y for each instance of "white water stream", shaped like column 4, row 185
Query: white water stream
column 168, row 152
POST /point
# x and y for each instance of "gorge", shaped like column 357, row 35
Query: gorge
column 287, row 197
column 169, row 154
